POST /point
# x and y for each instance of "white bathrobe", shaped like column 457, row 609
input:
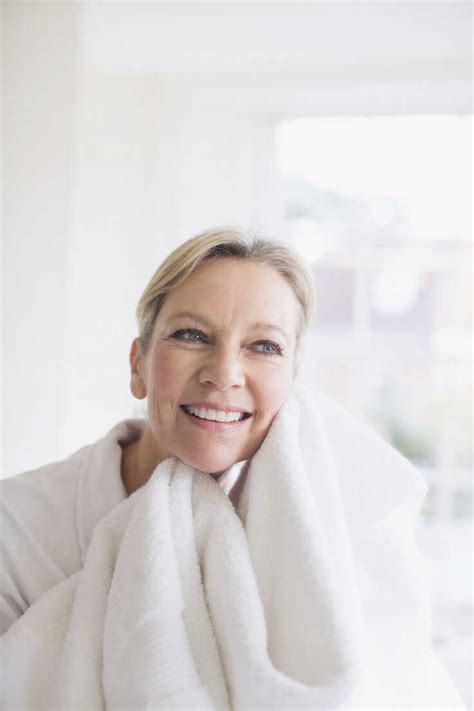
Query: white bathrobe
column 48, row 517
column 309, row 593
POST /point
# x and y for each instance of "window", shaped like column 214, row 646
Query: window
column 381, row 208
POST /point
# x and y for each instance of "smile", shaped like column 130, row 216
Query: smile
column 217, row 420
column 206, row 413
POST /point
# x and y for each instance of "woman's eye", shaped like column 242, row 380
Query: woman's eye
column 192, row 335
column 189, row 334
column 269, row 348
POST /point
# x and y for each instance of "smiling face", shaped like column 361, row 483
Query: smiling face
column 223, row 341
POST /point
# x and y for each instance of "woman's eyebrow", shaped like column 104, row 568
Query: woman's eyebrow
column 269, row 327
column 191, row 315
column 209, row 324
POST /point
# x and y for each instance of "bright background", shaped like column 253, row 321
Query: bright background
column 343, row 128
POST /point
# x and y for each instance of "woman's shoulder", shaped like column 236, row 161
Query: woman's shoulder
column 42, row 500
column 39, row 545
column 47, row 517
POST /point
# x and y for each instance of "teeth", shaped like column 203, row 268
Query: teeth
column 217, row 415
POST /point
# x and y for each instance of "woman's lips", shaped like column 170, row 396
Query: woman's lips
column 213, row 425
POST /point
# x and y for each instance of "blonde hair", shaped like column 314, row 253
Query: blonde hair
column 220, row 243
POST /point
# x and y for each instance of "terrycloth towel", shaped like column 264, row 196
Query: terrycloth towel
column 307, row 596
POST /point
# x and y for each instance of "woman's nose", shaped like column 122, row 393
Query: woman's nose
column 223, row 370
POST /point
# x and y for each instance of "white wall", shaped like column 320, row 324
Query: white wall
column 153, row 168
column 119, row 144
column 40, row 69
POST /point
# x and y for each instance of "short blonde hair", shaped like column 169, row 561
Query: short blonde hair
column 221, row 243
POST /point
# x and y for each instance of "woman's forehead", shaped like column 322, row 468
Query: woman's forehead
column 241, row 288
column 240, row 275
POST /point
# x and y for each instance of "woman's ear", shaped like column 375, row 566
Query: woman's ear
column 137, row 374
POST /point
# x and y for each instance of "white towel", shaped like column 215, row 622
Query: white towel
column 308, row 596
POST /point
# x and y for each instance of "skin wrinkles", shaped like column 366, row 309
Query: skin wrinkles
column 225, row 364
column 199, row 317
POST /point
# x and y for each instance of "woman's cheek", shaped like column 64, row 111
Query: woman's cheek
column 274, row 392
column 165, row 385
column 169, row 365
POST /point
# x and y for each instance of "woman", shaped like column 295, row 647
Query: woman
column 226, row 339
column 245, row 547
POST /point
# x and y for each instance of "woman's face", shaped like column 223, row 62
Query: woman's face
column 223, row 341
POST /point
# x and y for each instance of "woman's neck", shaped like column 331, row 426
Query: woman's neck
column 139, row 460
